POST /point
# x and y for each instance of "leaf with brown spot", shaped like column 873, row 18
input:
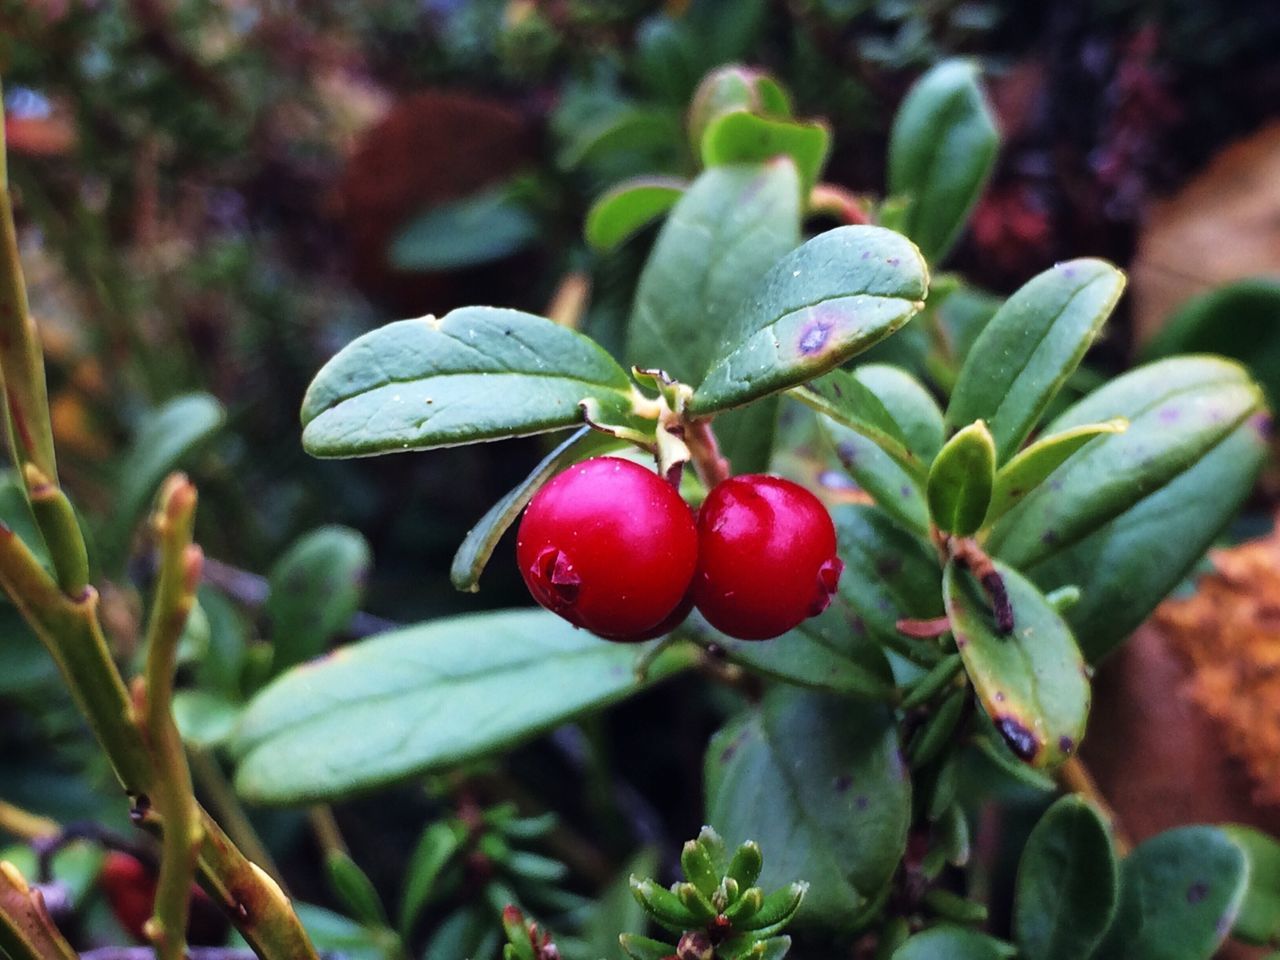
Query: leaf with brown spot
column 1031, row 682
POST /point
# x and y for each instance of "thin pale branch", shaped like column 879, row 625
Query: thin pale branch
column 172, row 797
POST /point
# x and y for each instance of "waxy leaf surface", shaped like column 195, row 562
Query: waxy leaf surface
column 1180, row 892
column 478, row 373
column 825, row 302
column 1068, row 883
column 819, row 783
column 941, row 151
column 1032, row 681
column 424, row 698
column 1028, row 349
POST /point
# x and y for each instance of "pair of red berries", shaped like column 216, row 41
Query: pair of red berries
column 610, row 546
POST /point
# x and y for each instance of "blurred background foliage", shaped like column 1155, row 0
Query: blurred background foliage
column 215, row 195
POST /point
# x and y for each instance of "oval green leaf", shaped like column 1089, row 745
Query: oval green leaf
column 1068, row 884
column 354, row 889
column 830, row 652
column 949, row 941
column 204, row 719
column 1032, row 681
column 1032, row 465
column 819, row 783
column 899, row 493
column 844, row 398
column 743, row 137
column 475, row 230
column 316, row 588
column 165, row 440
column 824, row 303
column 1178, row 411
column 941, row 151
column 961, row 479
column 909, row 403
column 479, row 373
column 425, row 698
column 1180, row 893
column 629, row 207
column 1259, row 919
column 1029, row 348
column 730, row 227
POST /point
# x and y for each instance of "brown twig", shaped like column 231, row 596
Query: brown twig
column 1074, row 777
column 711, row 465
column 967, row 552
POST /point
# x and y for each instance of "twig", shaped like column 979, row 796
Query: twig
column 213, row 784
column 173, row 796
column 24, row 824
column 146, row 953
column 711, row 465
column 26, row 398
column 27, row 932
column 835, row 200
column 325, row 826
column 923, row 629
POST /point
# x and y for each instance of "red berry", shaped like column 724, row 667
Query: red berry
column 609, row 546
column 130, row 887
column 766, row 557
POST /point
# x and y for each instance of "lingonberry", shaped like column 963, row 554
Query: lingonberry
column 130, row 888
column 766, row 557
column 609, row 546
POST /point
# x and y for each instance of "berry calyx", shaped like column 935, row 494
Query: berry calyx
column 609, row 546
column 766, row 557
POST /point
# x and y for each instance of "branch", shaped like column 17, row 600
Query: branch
column 26, row 398
column 173, row 796
column 146, row 953
column 24, row 824
column 27, row 932
column 57, row 522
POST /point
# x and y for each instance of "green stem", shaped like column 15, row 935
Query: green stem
column 25, row 824
column 26, row 930
column 173, row 796
column 57, row 522
column 26, row 398
column 214, row 784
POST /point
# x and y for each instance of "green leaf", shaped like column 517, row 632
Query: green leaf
column 1259, row 919
column 948, row 941
column 731, row 226
column 1032, row 465
column 1031, row 682
column 480, row 373
column 1026, row 352
column 735, row 88
column 440, row 844
column 895, row 490
column 742, row 137
column 354, row 889
column 822, row 304
column 628, row 208
column 478, row 229
column 1126, row 517
column 961, row 479
column 828, row 652
column 941, row 151
column 1240, row 320
column 1068, row 884
column 204, row 719
column 819, row 783
column 844, row 398
column 910, row 405
column 1180, row 892
column 222, row 667
column 481, row 540
column 889, row 574
column 167, row 439
column 316, row 588
column 427, row 697
column 334, row 934
column 469, row 931
column 626, row 129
